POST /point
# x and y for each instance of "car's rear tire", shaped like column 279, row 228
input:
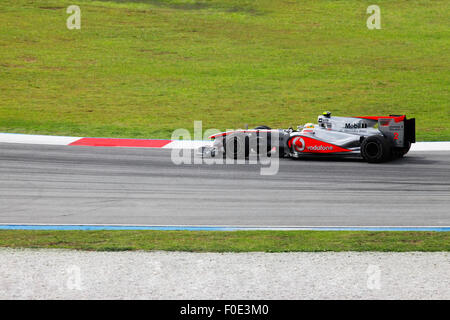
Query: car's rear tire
column 376, row 149
column 263, row 128
column 400, row 152
column 236, row 146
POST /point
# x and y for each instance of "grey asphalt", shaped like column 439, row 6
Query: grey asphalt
column 86, row 185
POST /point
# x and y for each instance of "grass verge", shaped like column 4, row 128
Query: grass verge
column 142, row 68
column 237, row 241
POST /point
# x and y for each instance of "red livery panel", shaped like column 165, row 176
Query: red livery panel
column 310, row 145
column 396, row 119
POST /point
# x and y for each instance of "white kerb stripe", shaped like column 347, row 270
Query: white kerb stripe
column 431, row 146
column 37, row 139
column 187, row 144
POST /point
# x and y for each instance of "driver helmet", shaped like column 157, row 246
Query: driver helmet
column 309, row 127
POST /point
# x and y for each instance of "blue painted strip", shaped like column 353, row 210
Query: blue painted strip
column 438, row 229
column 199, row 228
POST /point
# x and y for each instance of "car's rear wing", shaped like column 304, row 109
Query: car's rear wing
column 398, row 129
column 410, row 130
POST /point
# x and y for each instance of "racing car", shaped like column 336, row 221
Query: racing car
column 375, row 139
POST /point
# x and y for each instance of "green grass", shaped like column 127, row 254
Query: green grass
column 238, row 241
column 143, row 68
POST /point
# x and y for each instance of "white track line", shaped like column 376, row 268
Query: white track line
column 37, row 139
column 213, row 226
column 431, row 146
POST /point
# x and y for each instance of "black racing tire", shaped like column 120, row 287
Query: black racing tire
column 376, row 149
column 236, row 146
column 263, row 143
column 400, row 152
column 264, row 146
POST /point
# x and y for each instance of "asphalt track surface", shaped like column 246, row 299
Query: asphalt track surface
column 89, row 185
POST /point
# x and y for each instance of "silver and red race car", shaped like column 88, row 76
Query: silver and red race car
column 375, row 139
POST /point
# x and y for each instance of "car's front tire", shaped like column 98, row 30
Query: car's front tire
column 236, row 146
column 376, row 149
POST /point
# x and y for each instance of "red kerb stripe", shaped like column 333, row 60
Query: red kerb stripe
column 108, row 142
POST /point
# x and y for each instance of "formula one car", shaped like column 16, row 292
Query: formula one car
column 375, row 139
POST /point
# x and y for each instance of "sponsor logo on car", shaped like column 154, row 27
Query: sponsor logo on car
column 299, row 144
column 319, row 148
column 358, row 125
